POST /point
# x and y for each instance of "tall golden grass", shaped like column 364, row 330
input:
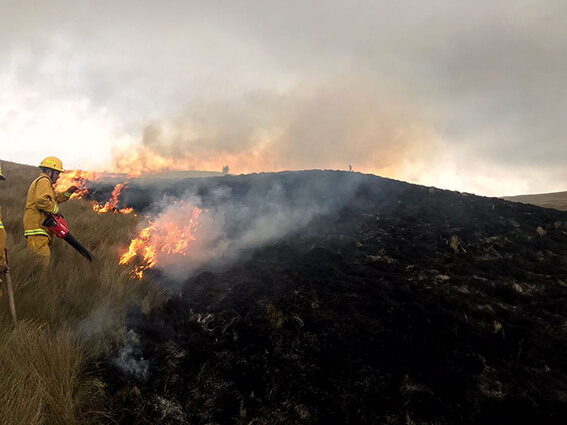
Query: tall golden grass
column 69, row 314
column 557, row 200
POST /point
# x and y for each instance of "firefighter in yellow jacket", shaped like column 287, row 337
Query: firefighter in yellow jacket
column 43, row 200
column 3, row 265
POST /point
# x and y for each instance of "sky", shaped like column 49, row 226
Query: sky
column 467, row 96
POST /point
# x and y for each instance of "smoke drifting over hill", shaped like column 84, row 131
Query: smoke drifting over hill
column 325, row 126
column 267, row 86
column 239, row 215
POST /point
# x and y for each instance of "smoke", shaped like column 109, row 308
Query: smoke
column 240, row 215
column 99, row 330
column 129, row 358
column 219, row 84
column 331, row 125
column 228, row 230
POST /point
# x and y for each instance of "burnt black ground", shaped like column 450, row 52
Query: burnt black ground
column 407, row 305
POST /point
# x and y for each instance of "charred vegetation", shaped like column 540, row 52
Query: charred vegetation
column 396, row 304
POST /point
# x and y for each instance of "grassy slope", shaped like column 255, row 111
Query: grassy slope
column 68, row 314
column 556, row 200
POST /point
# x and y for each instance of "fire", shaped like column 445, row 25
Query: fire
column 165, row 236
column 76, row 178
column 79, row 178
column 112, row 203
column 145, row 161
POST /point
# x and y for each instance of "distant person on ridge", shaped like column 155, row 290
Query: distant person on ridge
column 41, row 202
column 2, row 240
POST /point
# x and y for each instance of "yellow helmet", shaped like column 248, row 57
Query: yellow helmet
column 52, row 163
column 1, row 176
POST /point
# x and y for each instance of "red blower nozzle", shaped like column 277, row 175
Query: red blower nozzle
column 58, row 225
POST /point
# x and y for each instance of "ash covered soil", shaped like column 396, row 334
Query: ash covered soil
column 402, row 305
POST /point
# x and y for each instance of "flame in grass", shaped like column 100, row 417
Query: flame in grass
column 76, row 178
column 165, row 236
column 112, row 203
column 79, row 178
column 132, row 165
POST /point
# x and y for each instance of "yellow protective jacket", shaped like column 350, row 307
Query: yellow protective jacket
column 42, row 200
column 2, row 241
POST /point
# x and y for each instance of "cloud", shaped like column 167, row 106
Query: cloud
column 33, row 126
column 485, row 77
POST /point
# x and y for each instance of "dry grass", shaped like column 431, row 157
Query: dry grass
column 68, row 314
column 43, row 379
column 556, row 200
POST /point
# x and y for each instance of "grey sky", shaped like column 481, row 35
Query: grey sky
column 466, row 95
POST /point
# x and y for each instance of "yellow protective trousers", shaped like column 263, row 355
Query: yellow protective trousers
column 39, row 244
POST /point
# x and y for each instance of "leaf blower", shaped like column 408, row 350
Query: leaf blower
column 58, row 225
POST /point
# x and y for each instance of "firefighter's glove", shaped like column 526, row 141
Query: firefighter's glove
column 72, row 189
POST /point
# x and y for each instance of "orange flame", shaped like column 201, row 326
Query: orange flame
column 112, row 203
column 78, row 178
column 145, row 161
column 165, row 236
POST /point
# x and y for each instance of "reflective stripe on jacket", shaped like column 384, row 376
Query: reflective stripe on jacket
column 42, row 200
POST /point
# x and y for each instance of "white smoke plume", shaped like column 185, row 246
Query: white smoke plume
column 236, row 221
column 226, row 231
column 129, row 358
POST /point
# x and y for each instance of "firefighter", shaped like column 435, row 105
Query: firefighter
column 43, row 200
column 3, row 265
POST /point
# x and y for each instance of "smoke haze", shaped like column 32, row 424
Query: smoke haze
column 326, row 126
column 467, row 96
column 240, row 216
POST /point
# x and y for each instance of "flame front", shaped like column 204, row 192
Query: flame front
column 165, row 236
column 76, row 178
column 112, row 203
column 145, row 161
column 79, row 178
